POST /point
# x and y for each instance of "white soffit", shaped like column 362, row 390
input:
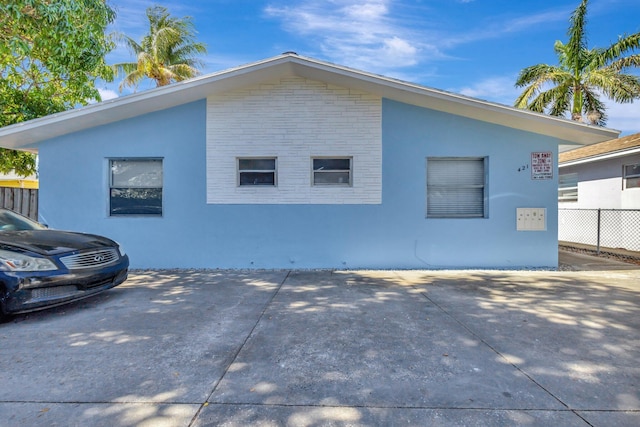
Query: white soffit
column 27, row 134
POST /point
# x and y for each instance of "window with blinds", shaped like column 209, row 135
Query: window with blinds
column 456, row 187
column 568, row 187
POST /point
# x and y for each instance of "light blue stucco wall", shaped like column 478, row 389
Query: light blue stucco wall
column 394, row 234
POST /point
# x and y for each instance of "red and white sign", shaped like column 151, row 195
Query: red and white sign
column 541, row 165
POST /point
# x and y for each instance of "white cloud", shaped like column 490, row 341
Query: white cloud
column 399, row 49
column 495, row 89
column 107, row 94
column 500, row 25
column 623, row 117
column 371, row 10
column 357, row 33
column 385, row 36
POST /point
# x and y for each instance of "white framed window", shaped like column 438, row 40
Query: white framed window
column 135, row 187
column 456, row 187
column 257, row 171
column 632, row 176
column 568, row 187
column 332, row 171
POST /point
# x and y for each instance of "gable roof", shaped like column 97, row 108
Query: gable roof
column 612, row 148
column 27, row 134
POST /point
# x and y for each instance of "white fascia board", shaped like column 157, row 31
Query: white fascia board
column 25, row 135
column 600, row 157
column 557, row 127
column 28, row 134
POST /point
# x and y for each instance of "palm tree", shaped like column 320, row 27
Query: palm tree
column 166, row 54
column 582, row 75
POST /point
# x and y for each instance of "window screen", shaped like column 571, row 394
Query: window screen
column 455, row 187
column 257, row 171
column 332, row 171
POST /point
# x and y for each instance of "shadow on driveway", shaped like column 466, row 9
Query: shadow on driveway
column 311, row 348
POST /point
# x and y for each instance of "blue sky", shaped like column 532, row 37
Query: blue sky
column 471, row 47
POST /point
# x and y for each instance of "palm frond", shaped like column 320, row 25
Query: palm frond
column 593, row 109
column 131, row 80
column 617, row 86
column 559, row 100
column 631, row 61
column 537, row 77
column 124, row 68
column 554, row 101
column 577, row 34
column 625, row 44
column 182, row 72
column 562, row 52
column 539, row 73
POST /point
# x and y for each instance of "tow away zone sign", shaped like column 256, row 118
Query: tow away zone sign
column 541, row 165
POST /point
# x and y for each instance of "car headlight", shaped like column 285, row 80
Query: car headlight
column 13, row 261
column 121, row 249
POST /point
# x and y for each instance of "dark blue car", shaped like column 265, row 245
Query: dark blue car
column 41, row 268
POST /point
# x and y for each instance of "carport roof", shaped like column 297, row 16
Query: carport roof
column 27, row 135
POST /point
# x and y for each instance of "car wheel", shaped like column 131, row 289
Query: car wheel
column 4, row 317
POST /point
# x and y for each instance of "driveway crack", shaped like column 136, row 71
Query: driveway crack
column 239, row 349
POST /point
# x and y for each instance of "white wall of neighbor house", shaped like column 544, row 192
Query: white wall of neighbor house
column 604, row 194
column 631, row 199
column 294, row 120
column 601, row 184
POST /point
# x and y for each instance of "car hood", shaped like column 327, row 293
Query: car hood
column 52, row 242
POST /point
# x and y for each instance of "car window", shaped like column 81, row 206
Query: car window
column 11, row 221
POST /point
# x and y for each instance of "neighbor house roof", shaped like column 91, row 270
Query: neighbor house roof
column 28, row 134
column 612, row 148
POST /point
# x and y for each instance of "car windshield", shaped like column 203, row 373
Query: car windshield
column 11, row 221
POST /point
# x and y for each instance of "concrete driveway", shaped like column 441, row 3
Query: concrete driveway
column 313, row 348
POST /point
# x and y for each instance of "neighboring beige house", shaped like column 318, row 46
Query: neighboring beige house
column 12, row 180
column 605, row 175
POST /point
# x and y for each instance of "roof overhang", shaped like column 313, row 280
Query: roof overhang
column 28, row 134
column 600, row 157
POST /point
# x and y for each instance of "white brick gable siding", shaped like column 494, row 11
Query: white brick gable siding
column 294, row 119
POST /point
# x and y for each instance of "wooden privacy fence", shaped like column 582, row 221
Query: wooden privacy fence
column 21, row 200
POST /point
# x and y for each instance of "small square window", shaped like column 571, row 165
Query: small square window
column 332, row 171
column 135, row 187
column 632, row 176
column 257, row 171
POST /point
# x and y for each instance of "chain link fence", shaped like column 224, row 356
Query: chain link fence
column 613, row 232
